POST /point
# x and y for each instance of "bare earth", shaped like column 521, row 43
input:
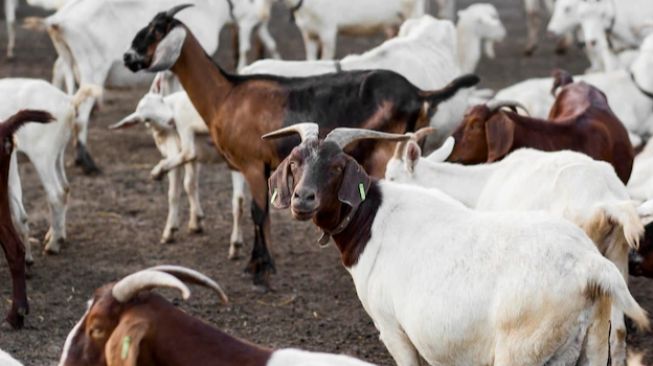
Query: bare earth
column 115, row 219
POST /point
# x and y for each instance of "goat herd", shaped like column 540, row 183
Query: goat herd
column 509, row 243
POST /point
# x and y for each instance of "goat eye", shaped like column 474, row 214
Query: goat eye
column 293, row 165
column 337, row 169
column 97, row 333
column 8, row 146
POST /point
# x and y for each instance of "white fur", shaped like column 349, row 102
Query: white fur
column 7, row 360
column 640, row 184
column 424, row 52
column 568, row 184
column 44, row 145
column 320, row 21
column 181, row 136
column 456, row 286
column 630, row 105
column 478, row 26
column 295, row 357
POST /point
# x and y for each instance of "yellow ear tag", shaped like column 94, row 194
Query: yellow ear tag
column 361, row 190
column 126, row 341
column 274, row 196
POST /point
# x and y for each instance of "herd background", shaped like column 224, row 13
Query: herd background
column 115, row 219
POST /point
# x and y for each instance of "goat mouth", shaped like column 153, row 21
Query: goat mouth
column 302, row 214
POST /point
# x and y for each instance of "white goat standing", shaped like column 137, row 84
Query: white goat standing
column 568, row 184
column 44, row 145
column 478, row 28
column 424, row 52
column 177, row 130
column 320, row 21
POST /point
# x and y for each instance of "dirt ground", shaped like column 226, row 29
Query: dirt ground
column 115, row 220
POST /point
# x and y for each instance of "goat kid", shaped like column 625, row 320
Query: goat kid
column 565, row 183
column 552, row 291
column 177, row 130
column 233, row 107
column 125, row 324
column 9, row 239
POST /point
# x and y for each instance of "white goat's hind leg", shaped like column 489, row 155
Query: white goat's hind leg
column 237, row 201
column 10, row 18
column 329, row 38
column 174, row 196
column 56, row 196
column 18, row 214
column 244, row 42
column 191, row 185
column 311, row 45
column 400, row 347
column 617, row 253
column 268, row 41
column 596, row 350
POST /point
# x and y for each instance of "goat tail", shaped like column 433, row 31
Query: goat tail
column 624, row 213
column 35, row 24
column 85, row 91
column 606, row 280
column 449, row 90
column 13, row 123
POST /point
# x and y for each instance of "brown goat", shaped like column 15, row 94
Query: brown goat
column 239, row 109
column 580, row 120
column 127, row 325
column 11, row 244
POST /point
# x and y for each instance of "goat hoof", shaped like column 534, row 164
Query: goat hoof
column 16, row 317
column 561, row 51
column 158, row 176
column 529, row 51
column 167, row 240
column 234, row 250
column 261, row 289
column 195, row 229
column 84, row 160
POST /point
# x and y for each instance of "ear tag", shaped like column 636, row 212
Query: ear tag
column 274, row 196
column 361, row 190
column 126, row 342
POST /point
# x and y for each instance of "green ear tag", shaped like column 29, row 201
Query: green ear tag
column 125, row 347
column 361, row 190
column 274, row 196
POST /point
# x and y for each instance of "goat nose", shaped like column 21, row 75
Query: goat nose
column 128, row 57
column 305, row 195
column 592, row 43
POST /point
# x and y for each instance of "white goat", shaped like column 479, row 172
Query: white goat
column 320, row 21
column 477, row 24
column 568, row 184
column 451, row 285
column 7, row 360
column 424, row 52
column 640, row 184
column 90, row 38
column 630, row 94
column 178, row 130
column 44, row 145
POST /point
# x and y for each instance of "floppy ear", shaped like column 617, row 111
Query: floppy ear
column 168, row 50
column 499, row 132
column 281, row 186
column 413, row 152
column 129, row 121
column 355, row 184
column 123, row 346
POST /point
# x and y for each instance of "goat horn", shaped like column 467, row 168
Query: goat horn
column 305, row 130
column 191, row 276
column 422, row 133
column 171, row 13
column 495, row 105
column 125, row 289
column 344, row 136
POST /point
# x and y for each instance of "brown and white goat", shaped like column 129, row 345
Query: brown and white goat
column 11, row 243
column 239, row 109
column 127, row 325
column 580, row 120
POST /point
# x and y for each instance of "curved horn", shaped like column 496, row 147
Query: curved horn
column 344, row 136
column 171, row 13
column 422, row 133
column 192, row 276
column 131, row 285
column 305, row 130
column 495, row 105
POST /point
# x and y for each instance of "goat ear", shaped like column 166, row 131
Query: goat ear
column 168, row 50
column 489, row 49
column 129, row 121
column 156, row 84
column 499, row 132
column 123, row 346
column 281, row 186
column 355, row 184
column 413, row 152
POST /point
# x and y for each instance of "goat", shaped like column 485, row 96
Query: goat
column 9, row 238
column 175, row 126
column 45, row 147
column 566, row 183
column 7, row 360
column 478, row 27
column 580, row 120
column 87, row 41
column 629, row 94
column 424, row 52
column 239, row 108
column 320, row 21
column 125, row 324
column 502, row 288
column 641, row 262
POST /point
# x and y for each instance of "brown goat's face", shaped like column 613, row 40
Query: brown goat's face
column 315, row 179
column 85, row 344
column 471, row 139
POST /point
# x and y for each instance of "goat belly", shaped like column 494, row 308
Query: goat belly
column 295, row 357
